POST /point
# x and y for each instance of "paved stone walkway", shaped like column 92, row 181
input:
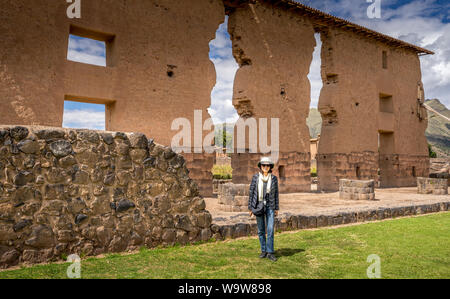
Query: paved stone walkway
column 309, row 210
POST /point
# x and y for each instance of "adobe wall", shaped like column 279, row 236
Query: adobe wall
column 353, row 114
column 66, row 191
column 151, row 38
column 274, row 49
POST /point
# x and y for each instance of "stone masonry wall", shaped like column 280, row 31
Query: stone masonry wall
column 65, row 191
column 233, row 197
column 432, row 186
column 357, row 189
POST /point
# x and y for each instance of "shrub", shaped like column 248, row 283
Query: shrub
column 313, row 172
column 431, row 153
column 222, row 172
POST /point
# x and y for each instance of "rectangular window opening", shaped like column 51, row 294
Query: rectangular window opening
column 385, row 61
column 386, row 103
column 85, row 113
column 90, row 47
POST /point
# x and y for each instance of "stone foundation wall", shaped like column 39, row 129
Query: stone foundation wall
column 395, row 170
column 292, row 169
column 333, row 167
column 357, row 190
column 432, row 186
column 402, row 170
column 217, row 183
column 66, row 191
column 233, row 197
column 200, row 170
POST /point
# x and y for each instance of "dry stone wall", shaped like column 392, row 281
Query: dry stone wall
column 432, row 186
column 65, row 191
column 233, row 197
column 357, row 189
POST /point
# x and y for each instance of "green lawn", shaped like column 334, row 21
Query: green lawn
column 416, row 247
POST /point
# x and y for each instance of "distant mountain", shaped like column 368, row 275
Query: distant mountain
column 437, row 133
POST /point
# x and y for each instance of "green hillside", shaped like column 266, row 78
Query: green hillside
column 437, row 133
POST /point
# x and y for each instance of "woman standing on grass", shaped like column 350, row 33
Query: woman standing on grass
column 263, row 203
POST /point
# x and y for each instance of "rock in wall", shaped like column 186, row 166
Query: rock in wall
column 65, row 191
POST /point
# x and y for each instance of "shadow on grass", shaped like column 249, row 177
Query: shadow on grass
column 288, row 251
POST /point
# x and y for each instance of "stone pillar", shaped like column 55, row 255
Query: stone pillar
column 357, row 190
column 432, row 186
column 233, row 197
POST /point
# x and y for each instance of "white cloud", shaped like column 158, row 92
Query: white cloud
column 86, row 51
column 86, row 58
column 84, row 119
column 222, row 109
column 314, row 75
column 418, row 22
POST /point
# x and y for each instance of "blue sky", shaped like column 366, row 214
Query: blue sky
column 82, row 115
column 425, row 23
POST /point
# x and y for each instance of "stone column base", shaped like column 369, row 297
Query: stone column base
column 233, row 197
column 432, row 186
column 357, row 190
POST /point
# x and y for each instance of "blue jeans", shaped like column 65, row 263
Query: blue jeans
column 262, row 221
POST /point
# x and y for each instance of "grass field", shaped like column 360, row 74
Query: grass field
column 417, row 247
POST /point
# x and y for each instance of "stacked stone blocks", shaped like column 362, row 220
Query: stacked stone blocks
column 233, row 197
column 357, row 189
column 432, row 186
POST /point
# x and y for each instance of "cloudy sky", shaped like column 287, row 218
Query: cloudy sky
column 425, row 23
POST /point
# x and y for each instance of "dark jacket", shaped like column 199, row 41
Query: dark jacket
column 273, row 195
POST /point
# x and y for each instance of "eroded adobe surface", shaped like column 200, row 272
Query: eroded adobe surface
column 272, row 83
column 88, row 192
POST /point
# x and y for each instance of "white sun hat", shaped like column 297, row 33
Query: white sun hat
column 265, row 161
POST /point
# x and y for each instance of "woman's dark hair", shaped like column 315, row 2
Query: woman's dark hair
column 271, row 167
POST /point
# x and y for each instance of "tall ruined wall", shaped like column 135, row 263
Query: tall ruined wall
column 361, row 98
column 78, row 191
column 158, row 66
column 274, row 49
